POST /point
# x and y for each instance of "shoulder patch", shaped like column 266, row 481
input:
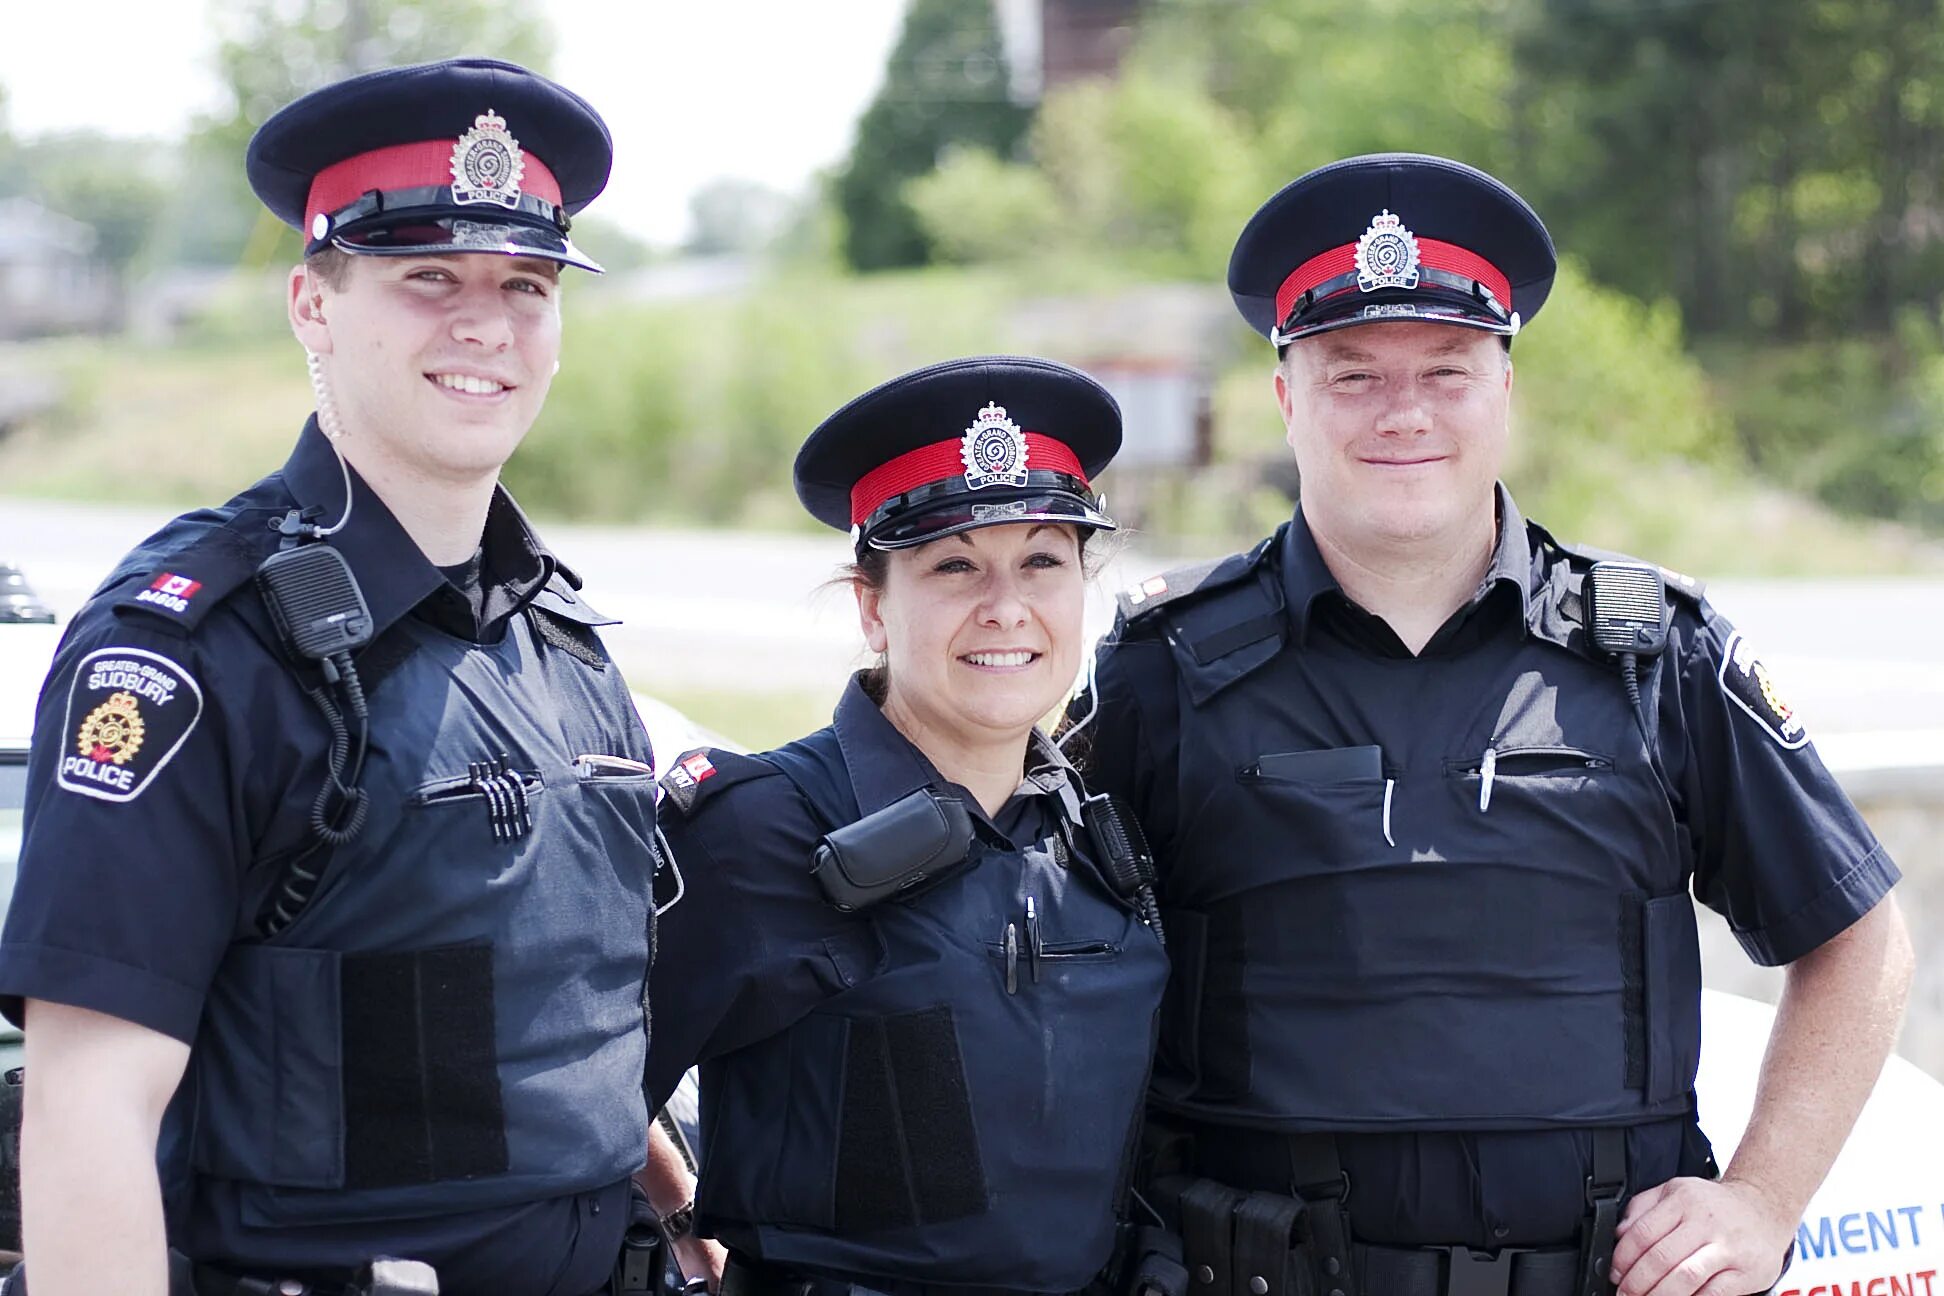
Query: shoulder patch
column 1747, row 681
column 186, row 584
column 696, row 775
column 129, row 711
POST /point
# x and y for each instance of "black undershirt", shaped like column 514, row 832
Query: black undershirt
column 465, row 578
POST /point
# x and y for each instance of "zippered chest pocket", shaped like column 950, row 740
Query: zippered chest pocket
column 1543, row 766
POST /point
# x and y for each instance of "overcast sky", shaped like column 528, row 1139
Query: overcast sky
column 765, row 90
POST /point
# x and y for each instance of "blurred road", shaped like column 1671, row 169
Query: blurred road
column 741, row 610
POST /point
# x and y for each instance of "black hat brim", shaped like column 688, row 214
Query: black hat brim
column 986, row 508
column 1400, row 307
column 451, row 235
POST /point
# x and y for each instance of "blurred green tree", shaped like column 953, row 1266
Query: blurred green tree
column 732, row 215
column 112, row 185
column 946, row 84
column 1776, row 166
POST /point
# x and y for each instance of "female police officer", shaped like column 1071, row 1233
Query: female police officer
column 923, row 1008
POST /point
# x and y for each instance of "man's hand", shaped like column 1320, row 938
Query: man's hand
column 703, row 1258
column 1697, row 1237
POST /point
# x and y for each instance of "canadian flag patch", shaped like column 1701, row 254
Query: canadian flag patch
column 170, row 592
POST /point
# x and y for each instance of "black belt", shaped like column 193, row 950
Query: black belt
column 745, row 1277
column 1458, row 1271
column 1243, row 1243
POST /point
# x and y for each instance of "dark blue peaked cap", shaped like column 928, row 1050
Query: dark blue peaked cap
column 958, row 445
column 466, row 155
column 1391, row 236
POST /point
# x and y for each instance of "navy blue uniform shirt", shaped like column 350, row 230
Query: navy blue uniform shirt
column 146, row 854
column 1778, row 850
column 757, row 943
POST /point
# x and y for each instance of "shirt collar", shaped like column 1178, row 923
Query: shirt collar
column 392, row 571
column 1306, row 577
column 885, row 766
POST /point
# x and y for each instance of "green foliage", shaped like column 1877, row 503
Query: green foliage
column 1149, row 176
column 112, row 185
column 1857, row 422
column 976, row 208
column 731, row 216
column 692, row 411
column 1772, row 170
column 1316, row 79
column 946, row 84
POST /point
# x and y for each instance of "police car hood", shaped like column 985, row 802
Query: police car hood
column 26, row 651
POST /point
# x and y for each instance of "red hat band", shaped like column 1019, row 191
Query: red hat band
column 943, row 460
column 1337, row 269
column 422, row 164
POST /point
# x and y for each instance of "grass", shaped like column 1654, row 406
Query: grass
column 756, row 720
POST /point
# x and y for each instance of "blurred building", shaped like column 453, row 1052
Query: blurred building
column 50, row 279
column 1052, row 42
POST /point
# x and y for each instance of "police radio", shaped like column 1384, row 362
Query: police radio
column 321, row 616
column 1626, row 616
column 1124, row 855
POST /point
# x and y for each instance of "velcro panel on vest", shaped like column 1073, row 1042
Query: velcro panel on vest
column 421, row 1080
column 1633, row 989
column 907, row 1150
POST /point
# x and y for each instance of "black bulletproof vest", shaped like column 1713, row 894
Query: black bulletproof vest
column 455, row 1022
column 933, row 1122
column 1444, row 892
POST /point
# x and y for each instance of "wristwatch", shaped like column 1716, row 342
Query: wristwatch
column 680, row 1222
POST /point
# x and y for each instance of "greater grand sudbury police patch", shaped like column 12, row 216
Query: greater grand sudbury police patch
column 1748, row 682
column 129, row 711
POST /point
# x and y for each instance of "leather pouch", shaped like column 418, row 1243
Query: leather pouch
column 915, row 842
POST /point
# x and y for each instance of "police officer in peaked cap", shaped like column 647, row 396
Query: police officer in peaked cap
column 339, row 819
column 1431, row 792
column 919, row 975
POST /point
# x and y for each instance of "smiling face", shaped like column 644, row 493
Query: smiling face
column 980, row 631
column 437, row 364
column 1399, row 430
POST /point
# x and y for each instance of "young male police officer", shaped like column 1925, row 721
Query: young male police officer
column 381, row 908
column 1430, row 794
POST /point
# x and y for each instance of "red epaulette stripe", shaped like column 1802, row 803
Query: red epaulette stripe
column 1325, row 266
column 405, row 166
column 943, row 459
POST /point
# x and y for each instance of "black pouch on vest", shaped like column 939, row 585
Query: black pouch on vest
column 914, row 842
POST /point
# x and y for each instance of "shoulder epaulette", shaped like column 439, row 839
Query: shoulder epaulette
column 1678, row 583
column 561, row 597
column 567, row 621
column 1222, row 620
column 180, row 585
column 695, row 776
column 1144, row 598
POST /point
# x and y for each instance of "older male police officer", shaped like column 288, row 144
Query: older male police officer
column 339, row 814
column 1430, row 790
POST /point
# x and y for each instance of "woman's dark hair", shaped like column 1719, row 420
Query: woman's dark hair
column 872, row 566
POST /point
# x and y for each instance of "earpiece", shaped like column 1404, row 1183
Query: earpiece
column 327, row 420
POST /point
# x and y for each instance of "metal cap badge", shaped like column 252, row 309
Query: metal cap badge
column 994, row 450
column 487, row 165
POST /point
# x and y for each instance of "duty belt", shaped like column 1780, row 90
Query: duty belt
column 746, row 1277
column 1242, row 1243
